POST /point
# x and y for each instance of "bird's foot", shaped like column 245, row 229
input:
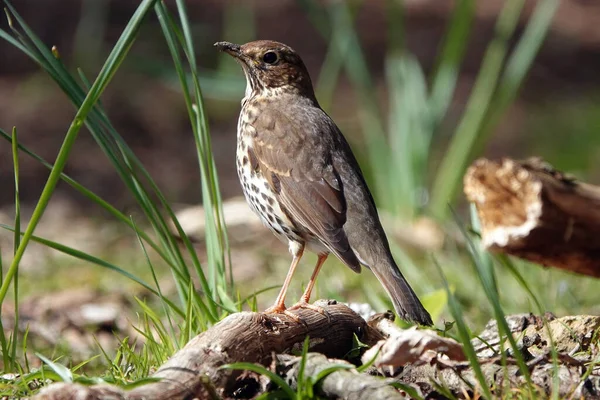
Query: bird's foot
column 281, row 309
column 304, row 304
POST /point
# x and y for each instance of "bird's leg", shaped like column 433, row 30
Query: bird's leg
column 279, row 306
column 304, row 299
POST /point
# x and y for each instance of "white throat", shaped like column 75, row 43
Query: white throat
column 248, row 89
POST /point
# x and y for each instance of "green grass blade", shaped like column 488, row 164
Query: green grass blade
column 345, row 42
column 17, row 242
column 487, row 105
column 302, row 367
column 329, row 370
column 63, row 372
column 412, row 393
column 507, row 263
column 97, row 118
column 168, row 346
column 259, row 369
column 5, row 347
column 188, row 322
column 484, row 269
column 96, row 199
column 161, row 297
column 105, row 205
column 128, row 167
column 410, row 130
column 170, row 32
column 106, row 73
column 451, row 169
column 97, row 261
column 332, row 66
column 217, row 242
column 519, row 63
column 450, row 58
column 465, row 336
column 6, row 36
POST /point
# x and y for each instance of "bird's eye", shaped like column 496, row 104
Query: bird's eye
column 270, row 57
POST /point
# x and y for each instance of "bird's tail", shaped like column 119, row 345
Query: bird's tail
column 406, row 302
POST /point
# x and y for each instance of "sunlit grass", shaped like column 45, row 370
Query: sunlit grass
column 397, row 159
column 196, row 309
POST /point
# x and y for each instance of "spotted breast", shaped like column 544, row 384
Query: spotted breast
column 258, row 192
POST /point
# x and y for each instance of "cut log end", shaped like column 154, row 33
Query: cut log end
column 532, row 211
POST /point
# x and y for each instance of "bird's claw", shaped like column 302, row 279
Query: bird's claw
column 283, row 310
column 306, row 305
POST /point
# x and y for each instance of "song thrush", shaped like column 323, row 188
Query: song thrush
column 300, row 176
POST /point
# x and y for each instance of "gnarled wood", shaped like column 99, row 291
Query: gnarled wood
column 572, row 336
column 249, row 337
column 194, row 371
column 532, row 211
column 342, row 384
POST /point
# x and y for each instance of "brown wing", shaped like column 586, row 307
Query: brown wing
column 294, row 158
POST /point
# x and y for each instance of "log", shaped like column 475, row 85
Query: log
column 194, row 371
column 242, row 337
column 341, row 384
column 460, row 379
column 532, row 211
column 579, row 377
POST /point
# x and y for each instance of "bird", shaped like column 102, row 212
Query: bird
column 300, row 176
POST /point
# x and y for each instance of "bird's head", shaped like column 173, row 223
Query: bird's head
column 270, row 65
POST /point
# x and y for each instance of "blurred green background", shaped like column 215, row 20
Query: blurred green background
column 555, row 116
column 420, row 89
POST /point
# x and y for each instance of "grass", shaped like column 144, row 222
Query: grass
column 399, row 160
column 197, row 307
column 305, row 386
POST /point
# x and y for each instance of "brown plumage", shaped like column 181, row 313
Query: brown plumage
column 300, row 176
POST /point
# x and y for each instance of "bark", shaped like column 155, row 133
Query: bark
column 341, row 384
column 194, row 371
column 529, row 210
column 241, row 337
column 573, row 338
column 460, row 379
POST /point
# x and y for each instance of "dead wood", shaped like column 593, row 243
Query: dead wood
column 248, row 337
column 194, row 371
column 341, row 384
column 573, row 338
column 532, row 211
column 460, row 379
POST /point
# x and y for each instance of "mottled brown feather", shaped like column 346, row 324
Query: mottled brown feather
column 314, row 196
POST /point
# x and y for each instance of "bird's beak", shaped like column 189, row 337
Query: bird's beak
column 233, row 50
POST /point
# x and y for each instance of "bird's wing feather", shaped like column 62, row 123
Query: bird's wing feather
column 298, row 167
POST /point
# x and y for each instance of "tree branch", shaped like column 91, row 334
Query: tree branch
column 242, row 337
column 341, row 384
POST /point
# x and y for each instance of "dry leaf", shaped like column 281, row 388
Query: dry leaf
column 413, row 346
